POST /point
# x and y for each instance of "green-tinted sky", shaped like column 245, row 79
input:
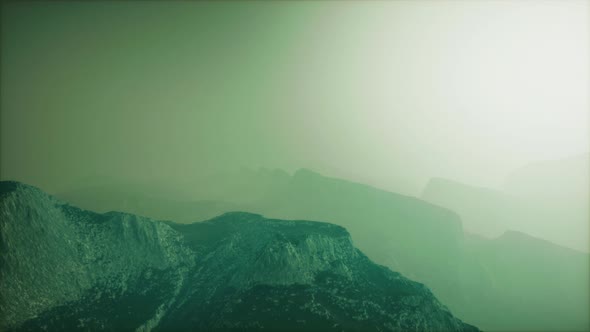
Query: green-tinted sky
column 370, row 91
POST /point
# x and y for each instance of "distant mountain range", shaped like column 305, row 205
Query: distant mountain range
column 527, row 284
column 63, row 268
column 484, row 211
column 547, row 199
column 481, row 280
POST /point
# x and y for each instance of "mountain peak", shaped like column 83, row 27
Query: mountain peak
column 240, row 219
column 238, row 271
column 10, row 186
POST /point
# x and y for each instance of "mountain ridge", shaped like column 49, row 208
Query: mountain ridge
column 427, row 243
column 237, row 271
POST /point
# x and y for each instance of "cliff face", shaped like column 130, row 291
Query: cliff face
column 420, row 240
column 54, row 254
column 384, row 225
column 64, row 268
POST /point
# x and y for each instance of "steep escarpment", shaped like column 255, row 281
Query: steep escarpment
column 422, row 241
column 306, row 275
column 63, row 268
column 53, row 254
column 386, row 226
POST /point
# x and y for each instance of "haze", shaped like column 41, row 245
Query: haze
column 385, row 93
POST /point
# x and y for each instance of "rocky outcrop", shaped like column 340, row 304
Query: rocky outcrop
column 63, row 268
column 55, row 254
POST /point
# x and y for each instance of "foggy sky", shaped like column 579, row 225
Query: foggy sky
column 386, row 93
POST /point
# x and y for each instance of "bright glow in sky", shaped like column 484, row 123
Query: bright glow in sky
column 467, row 90
column 388, row 93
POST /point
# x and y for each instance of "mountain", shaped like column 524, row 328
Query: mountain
column 64, row 268
column 418, row 239
column 529, row 284
column 483, row 211
column 554, row 213
column 426, row 243
column 525, row 282
column 387, row 226
column 547, row 199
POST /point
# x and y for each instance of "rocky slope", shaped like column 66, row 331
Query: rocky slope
column 63, row 268
column 479, row 279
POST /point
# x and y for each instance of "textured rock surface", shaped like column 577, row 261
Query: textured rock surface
column 63, row 268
